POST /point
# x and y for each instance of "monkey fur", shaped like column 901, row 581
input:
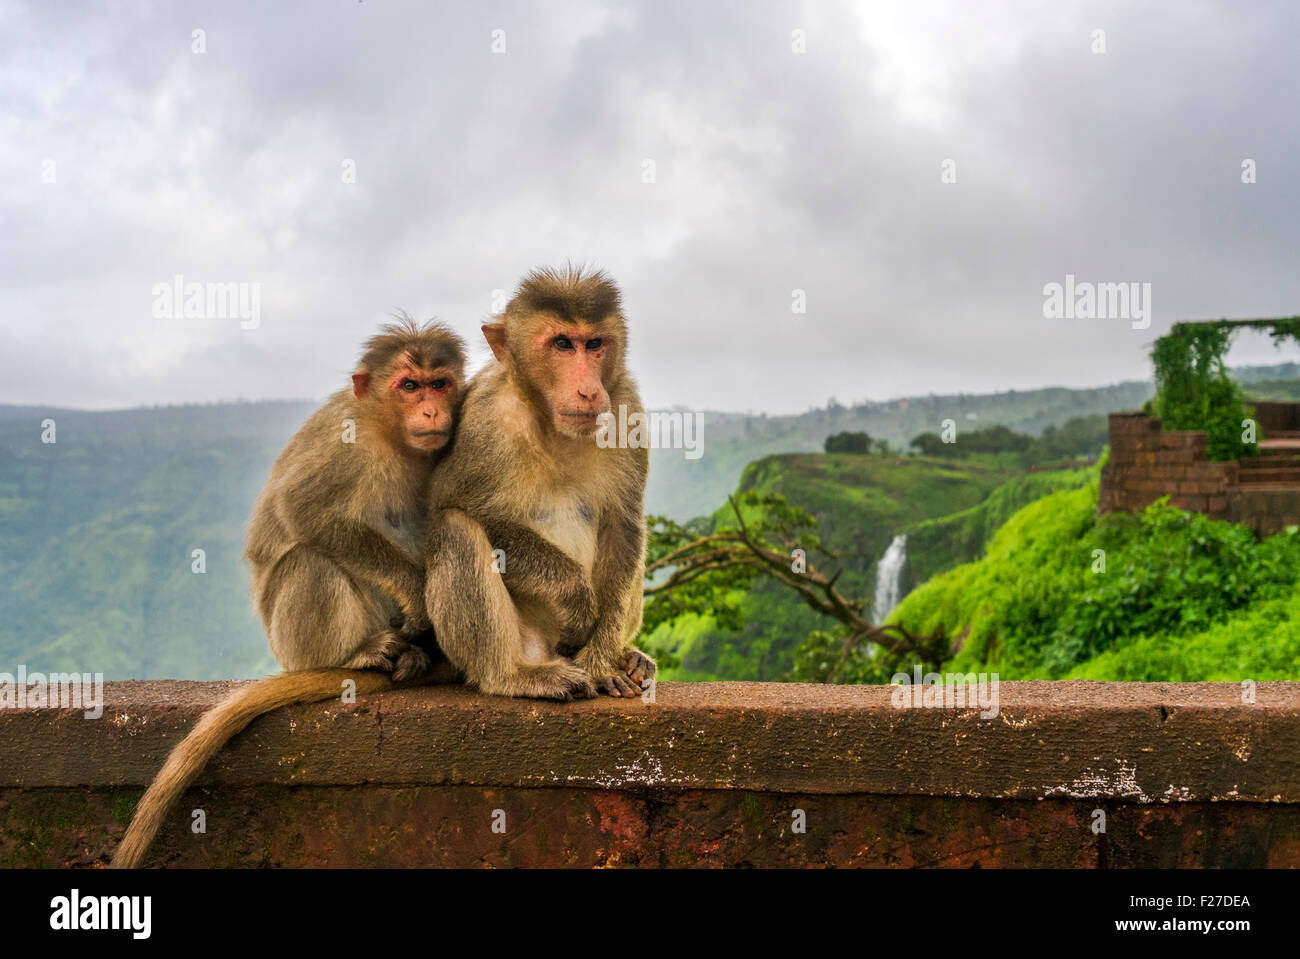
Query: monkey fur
column 535, row 551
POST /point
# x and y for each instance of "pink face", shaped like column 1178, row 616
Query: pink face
column 420, row 400
column 577, row 359
column 425, row 400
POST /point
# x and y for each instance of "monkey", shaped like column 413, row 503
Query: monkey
column 336, row 536
column 535, row 548
column 336, row 550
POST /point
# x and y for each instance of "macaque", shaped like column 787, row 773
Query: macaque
column 336, row 538
column 535, row 552
column 335, row 546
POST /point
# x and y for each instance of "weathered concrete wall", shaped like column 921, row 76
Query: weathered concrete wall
column 708, row 774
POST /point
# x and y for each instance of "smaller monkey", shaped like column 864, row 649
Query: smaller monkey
column 335, row 545
column 336, row 538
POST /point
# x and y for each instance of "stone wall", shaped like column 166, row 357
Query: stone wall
column 709, row 774
column 1276, row 417
column 1147, row 463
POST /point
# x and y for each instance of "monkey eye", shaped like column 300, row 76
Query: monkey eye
column 563, row 343
column 439, row 385
column 595, row 344
column 410, row 385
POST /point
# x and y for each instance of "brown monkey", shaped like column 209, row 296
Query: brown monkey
column 336, row 536
column 335, row 545
column 551, row 612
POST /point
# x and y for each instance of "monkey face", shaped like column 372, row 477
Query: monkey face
column 424, row 402
column 576, row 360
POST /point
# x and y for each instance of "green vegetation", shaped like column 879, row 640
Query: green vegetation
column 1259, row 642
column 940, row 544
column 728, row 621
column 847, row 442
column 1041, row 604
column 696, row 572
column 98, row 531
column 859, row 502
column 1194, row 391
column 1193, row 388
column 994, row 439
column 1273, row 391
column 1078, row 437
column 683, row 488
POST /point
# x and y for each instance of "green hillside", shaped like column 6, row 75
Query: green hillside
column 98, row 529
column 1179, row 597
column 940, row 544
column 683, row 488
column 861, row 502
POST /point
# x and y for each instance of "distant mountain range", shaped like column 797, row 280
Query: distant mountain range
column 98, row 529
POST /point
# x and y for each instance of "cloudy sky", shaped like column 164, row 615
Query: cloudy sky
column 127, row 158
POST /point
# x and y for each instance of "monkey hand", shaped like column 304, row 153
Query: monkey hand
column 389, row 651
column 622, row 679
column 637, row 666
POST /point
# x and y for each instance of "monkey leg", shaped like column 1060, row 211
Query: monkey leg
column 480, row 629
column 316, row 616
column 539, row 574
column 618, row 668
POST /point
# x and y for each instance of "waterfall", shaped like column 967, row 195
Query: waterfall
column 889, row 577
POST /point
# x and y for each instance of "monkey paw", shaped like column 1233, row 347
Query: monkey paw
column 561, row 680
column 636, row 668
column 637, row 665
column 413, row 663
column 618, row 686
column 388, row 652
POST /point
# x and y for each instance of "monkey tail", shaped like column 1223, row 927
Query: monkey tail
column 215, row 728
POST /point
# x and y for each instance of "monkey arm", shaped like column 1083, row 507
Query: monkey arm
column 367, row 556
column 536, row 569
column 617, row 583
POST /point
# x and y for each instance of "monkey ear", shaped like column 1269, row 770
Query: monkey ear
column 495, row 334
column 360, row 383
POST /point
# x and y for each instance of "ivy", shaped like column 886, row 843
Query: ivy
column 1193, row 389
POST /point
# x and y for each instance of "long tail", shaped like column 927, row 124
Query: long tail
column 215, row 728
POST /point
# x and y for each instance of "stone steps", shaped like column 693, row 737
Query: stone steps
column 1288, row 440
column 1278, row 475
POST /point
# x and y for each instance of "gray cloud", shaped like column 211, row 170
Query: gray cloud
column 775, row 171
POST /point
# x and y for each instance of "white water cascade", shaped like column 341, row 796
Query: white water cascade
column 889, row 577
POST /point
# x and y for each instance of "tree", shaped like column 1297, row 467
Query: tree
column 847, row 442
column 931, row 444
column 1079, row 436
column 692, row 569
column 991, row 439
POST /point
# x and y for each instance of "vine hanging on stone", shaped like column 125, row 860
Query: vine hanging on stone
column 1193, row 389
